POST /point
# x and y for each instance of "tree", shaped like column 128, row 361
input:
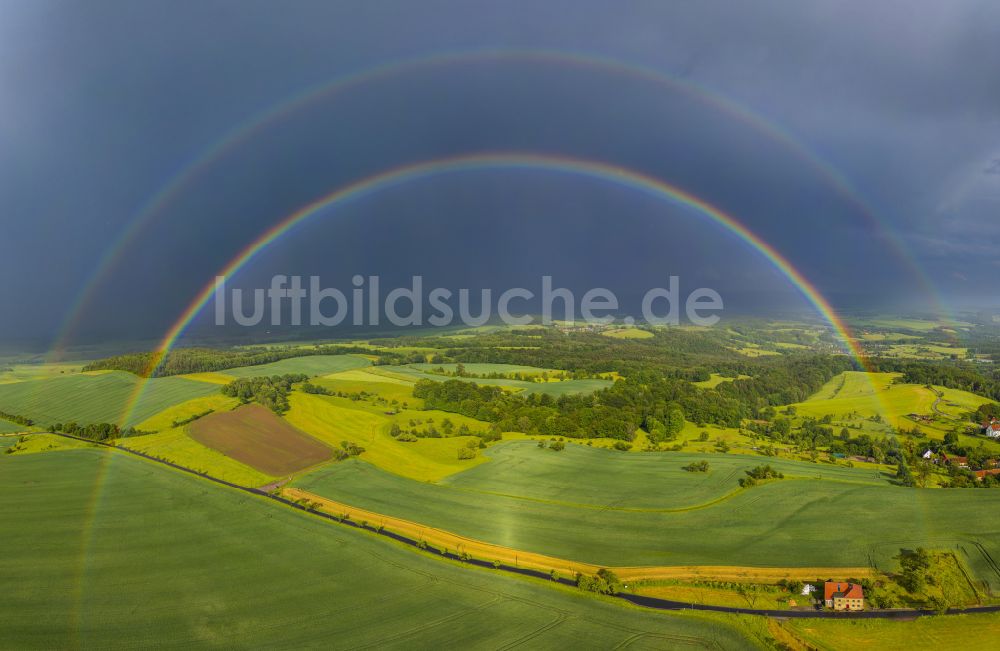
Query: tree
column 604, row 582
column 750, row 592
column 914, row 567
column 903, row 475
column 675, row 422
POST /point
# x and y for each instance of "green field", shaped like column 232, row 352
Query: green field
column 103, row 550
column 642, row 481
column 333, row 420
column 485, row 369
column 856, row 395
column 7, row 427
column 628, row 333
column 789, row 523
column 953, row 632
column 310, row 365
column 554, row 389
column 715, row 380
column 22, row 372
column 103, row 397
column 165, row 419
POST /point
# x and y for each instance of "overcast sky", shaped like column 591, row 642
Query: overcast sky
column 888, row 172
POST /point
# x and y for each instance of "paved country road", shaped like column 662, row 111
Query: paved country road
column 639, row 600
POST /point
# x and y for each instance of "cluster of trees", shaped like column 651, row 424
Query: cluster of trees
column 315, row 389
column 271, row 392
column 655, row 401
column 347, row 449
column 758, row 474
column 431, row 431
column 697, row 466
column 604, row 582
column 202, row 360
column 986, row 412
column 556, row 445
column 14, row 418
column 967, row 377
column 586, row 352
column 469, row 450
column 97, row 431
column 964, row 478
column 917, row 571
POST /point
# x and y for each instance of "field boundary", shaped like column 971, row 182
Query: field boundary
column 655, row 603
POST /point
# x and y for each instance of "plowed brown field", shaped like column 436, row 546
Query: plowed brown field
column 257, row 437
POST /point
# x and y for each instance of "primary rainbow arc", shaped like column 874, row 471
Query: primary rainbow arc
column 505, row 160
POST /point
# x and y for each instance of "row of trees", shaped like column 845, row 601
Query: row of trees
column 15, row 418
column 97, row 431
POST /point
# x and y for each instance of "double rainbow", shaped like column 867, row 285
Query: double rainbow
column 499, row 161
column 243, row 131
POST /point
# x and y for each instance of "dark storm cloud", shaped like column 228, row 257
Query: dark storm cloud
column 102, row 102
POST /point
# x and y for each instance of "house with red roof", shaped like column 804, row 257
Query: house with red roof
column 982, row 473
column 961, row 462
column 843, row 596
column 992, row 428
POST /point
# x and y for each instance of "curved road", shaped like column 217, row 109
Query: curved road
column 639, row 600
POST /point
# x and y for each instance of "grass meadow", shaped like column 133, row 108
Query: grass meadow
column 951, row 632
column 609, row 512
column 554, row 389
column 855, row 396
column 333, row 420
column 104, row 550
column 311, row 365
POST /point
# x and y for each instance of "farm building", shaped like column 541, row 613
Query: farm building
column 983, row 473
column 961, row 462
column 844, row 596
column 992, row 428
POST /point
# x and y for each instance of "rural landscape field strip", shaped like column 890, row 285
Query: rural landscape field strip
column 313, row 365
column 447, row 540
column 650, row 602
column 100, row 398
column 159, row 568
column 791, row 530
column 595, row 478
column 555, row 389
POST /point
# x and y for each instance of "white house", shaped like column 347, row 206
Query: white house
column 992, row 428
